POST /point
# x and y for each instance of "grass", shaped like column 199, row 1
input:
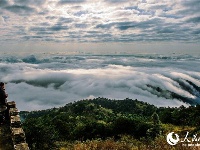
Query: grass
column 125, row 143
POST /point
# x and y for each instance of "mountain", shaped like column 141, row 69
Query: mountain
column 103, row 119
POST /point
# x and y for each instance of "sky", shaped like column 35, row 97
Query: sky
column 106, row 26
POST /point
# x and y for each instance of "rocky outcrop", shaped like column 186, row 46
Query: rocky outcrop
column 16, row 132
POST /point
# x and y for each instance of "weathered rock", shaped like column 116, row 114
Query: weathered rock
column 11, row 105
column 18, row 135
column 15, row 121
column 13, row 112
column 21, row 146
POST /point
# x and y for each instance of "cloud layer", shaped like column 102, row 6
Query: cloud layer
column 100, row 21
column 39, row 82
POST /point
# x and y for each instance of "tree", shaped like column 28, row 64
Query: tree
column 39, row 135
column 156, row 129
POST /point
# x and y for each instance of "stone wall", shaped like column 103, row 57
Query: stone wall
column 17, row 133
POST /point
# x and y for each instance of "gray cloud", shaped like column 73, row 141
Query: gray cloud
column 81, row 25
column 194, row 4
column 58, row 27
column 116, row 1
column 45, row 30
column 190, row 7
column 196, row 32
column 20, row 9
column 194, row 20
column 163, row 7
column 70, row 1
column 133, row 24
column 166, row 30
column 30, row 2
column 3, row 3
column 39, row 30
column 65, row 20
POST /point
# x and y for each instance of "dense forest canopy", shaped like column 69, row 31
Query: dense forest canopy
column 103, row 118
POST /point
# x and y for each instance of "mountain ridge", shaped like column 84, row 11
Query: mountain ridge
column 103, row 118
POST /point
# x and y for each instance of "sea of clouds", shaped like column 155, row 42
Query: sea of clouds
column 52, row 80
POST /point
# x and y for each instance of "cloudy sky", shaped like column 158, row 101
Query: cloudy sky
column 33, row 25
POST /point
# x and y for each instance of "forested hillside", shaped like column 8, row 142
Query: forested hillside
column 118, row 124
